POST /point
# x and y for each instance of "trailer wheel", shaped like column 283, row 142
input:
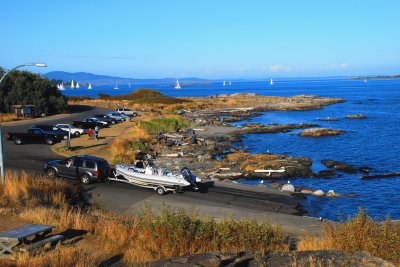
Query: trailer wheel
column 160, row 191
column 17, row 141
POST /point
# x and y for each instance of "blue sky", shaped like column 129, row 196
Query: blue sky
column 208, row 39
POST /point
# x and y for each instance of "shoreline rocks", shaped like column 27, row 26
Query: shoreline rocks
column 317, row 132
column 272, row 128
column 356, row 116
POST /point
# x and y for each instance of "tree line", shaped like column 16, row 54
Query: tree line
column 26, row 88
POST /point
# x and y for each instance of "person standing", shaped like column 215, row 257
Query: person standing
column 90, row 133
column 96, row 132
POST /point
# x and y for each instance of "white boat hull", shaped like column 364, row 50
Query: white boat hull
column 143, row 177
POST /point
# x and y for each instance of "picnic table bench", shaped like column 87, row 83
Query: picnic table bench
column 26, row 237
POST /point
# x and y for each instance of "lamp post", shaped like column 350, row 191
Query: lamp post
column 40, row 65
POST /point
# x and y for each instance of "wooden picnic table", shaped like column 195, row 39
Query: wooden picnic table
column 20, row 236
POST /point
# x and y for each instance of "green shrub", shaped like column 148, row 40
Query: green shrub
column 163, row 124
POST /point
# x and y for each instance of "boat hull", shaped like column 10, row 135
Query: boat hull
column 141, row 177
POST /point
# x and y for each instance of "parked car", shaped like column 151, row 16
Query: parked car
column 105, row 118
column 117, row 117
column 53, row 130
column 34, row 135
column 85, row 168
column 127, row 111
column 74, row 130
column 93, row 119
column 86, row 124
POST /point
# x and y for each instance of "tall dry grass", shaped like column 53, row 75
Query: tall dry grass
column 8, row 117
column 124, row 149
column 139, row 238
column 360, row 233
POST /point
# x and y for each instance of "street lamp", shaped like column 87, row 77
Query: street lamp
column 40, row 65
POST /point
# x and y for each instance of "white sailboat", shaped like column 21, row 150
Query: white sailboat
column 129, row 85
column 89, row 86
column 116, row 86
column 224, row 83
column 177, row 85
column 271, row 82
column 72, row 84
column 365, row 80
column 77, row 85
column 60, row 86
column 230, row 83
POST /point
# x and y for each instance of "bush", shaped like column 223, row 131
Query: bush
column 163, row 124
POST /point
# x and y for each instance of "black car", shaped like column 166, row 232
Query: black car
column 85, row 168
column 102, row 117
column 51, row 129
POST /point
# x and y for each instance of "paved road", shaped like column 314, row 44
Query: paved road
column 219, row 201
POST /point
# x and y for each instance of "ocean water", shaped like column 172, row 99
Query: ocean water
column 372, row 142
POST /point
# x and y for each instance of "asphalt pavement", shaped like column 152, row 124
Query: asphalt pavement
column 219, row 201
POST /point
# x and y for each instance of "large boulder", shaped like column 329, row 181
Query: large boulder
column 317, row 132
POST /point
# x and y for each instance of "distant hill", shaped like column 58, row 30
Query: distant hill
column 94, row 79
column 378, row 77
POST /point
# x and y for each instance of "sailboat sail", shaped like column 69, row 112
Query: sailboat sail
column 89, row 86
column 77, row 85
column 230, row 83
column 271, row 82
column 60, row 86
column 72, row 84
column 224, row 83
column 177, row 85
column 116, row 86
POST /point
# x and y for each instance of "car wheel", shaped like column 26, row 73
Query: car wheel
column 65, row 137
column 17, row 141
column 77, row 134
column 160, row 191
column 113, row 122
column 51, row 172
column 85, row 179
column 49, row 141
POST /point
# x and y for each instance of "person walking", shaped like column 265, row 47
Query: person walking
column 96, row 132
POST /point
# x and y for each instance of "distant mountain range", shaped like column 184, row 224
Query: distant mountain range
column 94, row 79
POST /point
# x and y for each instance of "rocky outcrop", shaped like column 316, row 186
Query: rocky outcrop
column 339, row 165
column 317, row 132
column 283, row 259
column 356, row 116
column 272, row 128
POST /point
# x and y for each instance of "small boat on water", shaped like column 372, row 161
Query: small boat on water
column 160, row 180
column 177, row 85
column 60, row 86
column 116, row 86
column 89, row 86
column 230, row 83
column 271, row 82
column 77, row 85
column 72, row 84
column 224, row 83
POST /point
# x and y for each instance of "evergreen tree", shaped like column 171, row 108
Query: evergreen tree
column 23, row 88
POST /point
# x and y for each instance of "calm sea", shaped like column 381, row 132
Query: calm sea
column 371, row 142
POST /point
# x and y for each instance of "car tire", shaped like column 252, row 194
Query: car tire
column 160, row 191
column 65, row 137
column 112, row 122
column 85, row 179
column 51, row 172
column 17, row 141
column 77, row 134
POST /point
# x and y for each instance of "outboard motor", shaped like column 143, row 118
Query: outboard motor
column 187, row 174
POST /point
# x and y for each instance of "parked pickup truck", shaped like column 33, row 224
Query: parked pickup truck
column 86, row 124
column 33, row 136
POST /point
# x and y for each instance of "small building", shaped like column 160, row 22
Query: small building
column 23, row 110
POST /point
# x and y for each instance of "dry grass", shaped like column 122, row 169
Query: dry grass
column 124, row 149
column 361, row 233
column 141, row 238
column 250, row 162
column 8, row 117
